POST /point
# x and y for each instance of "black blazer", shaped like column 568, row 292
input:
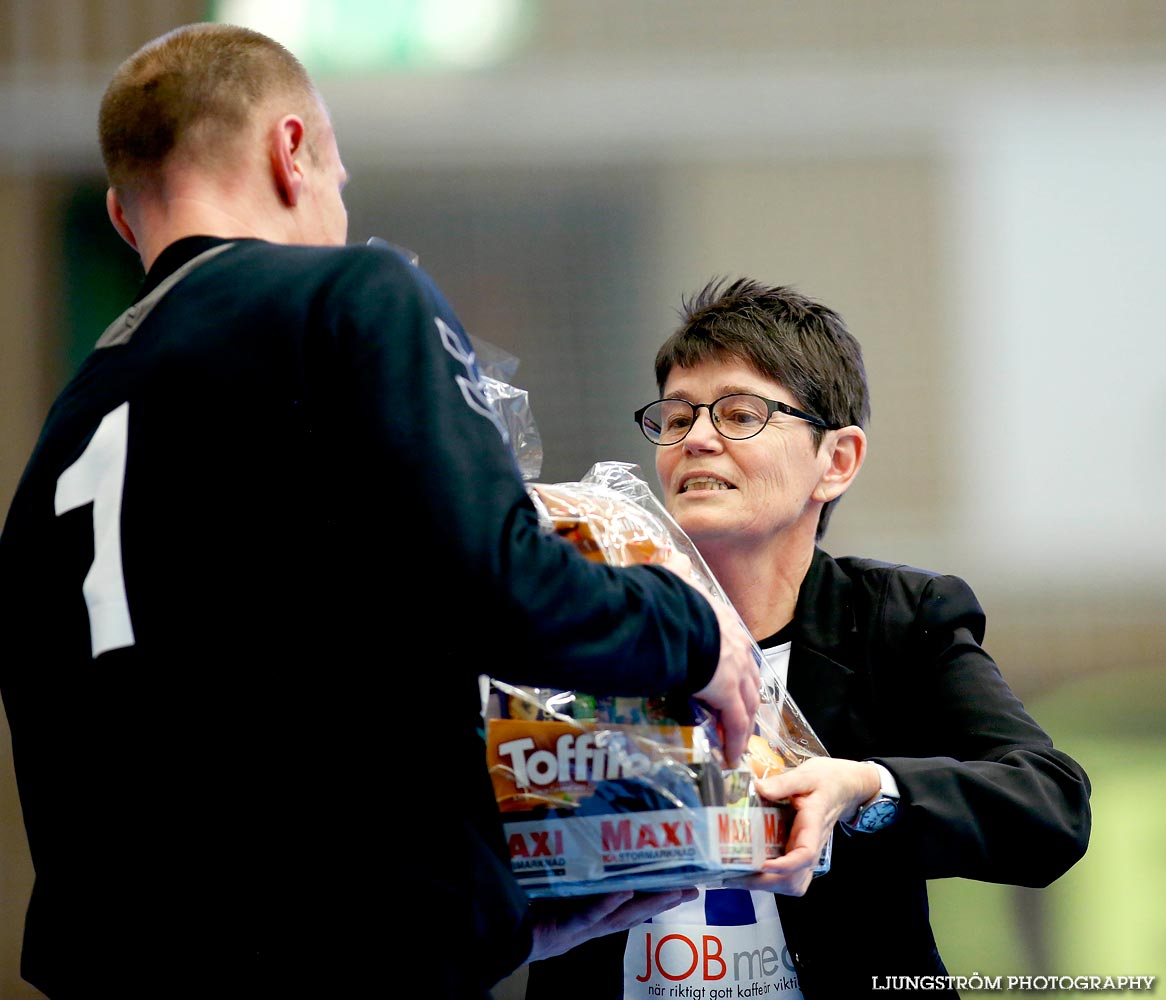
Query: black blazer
column 886, row 665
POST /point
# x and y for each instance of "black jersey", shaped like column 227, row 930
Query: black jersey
column 269, row 538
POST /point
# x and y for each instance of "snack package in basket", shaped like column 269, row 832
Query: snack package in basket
column 601, row 793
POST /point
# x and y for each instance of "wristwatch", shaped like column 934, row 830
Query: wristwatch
column 879, row 811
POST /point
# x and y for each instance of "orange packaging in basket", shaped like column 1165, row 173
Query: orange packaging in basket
column 598, row 807
column 558, row 764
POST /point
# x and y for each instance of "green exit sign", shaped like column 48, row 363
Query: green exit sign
column 361, row 36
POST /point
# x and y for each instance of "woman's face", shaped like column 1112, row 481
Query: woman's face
column 739, row 491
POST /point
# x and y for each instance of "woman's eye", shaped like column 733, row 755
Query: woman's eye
column 743, row 418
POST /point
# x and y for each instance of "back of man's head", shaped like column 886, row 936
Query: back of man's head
column 192, row 94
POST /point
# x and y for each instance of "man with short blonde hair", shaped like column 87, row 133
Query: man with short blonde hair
column 248, row 765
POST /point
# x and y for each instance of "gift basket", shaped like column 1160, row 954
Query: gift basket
column 601, row 793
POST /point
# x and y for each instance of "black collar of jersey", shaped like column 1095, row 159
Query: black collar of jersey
column 174, row 256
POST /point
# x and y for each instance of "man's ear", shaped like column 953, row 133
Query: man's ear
column 846, row 450
column 286, row 145
column 117, row 216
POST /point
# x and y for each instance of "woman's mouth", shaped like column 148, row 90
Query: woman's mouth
column 705, row 483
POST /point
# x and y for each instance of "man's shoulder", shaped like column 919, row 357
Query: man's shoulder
column 349, row 277
column 378, row 271
column 319, row 257
column 294, row 255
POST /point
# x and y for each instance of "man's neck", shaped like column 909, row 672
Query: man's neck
column 184, row 217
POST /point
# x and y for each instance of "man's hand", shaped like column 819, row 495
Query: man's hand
column 561, row 924
column 734, row 693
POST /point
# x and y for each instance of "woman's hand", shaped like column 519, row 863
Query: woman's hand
column 822, row 790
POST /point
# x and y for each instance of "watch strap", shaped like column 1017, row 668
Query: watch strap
column 886, row 799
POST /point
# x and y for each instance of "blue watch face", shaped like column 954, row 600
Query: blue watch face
column 877, row 815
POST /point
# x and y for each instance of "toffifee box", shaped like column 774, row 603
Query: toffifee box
column 591, row 806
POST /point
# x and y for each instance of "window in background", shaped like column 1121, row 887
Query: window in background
column 334, row 37
column 1057, row 275
column 545, row 264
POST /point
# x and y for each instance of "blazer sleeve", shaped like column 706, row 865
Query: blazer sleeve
column 986, row 794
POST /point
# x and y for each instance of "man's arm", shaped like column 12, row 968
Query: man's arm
column 561, row 924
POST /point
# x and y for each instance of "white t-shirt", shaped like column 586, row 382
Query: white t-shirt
column 723, row 938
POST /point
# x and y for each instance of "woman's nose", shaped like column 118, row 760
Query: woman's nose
column 703, row 433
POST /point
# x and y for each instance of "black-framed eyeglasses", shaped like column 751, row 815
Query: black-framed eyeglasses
column 737, row 416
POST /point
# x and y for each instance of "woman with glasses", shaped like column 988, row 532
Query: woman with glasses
column 935, row 769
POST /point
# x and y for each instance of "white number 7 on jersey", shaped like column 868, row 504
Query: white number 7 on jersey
column 97, row 477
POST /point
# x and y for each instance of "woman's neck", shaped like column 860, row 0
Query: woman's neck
column 761, row 581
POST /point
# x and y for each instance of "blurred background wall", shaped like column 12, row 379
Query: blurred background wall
column 977, row 188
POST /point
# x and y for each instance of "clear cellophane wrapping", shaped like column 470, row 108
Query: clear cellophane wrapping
column 566, row 764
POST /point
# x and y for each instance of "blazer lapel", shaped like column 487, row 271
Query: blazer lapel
column 818, row 686
column 825, row 671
